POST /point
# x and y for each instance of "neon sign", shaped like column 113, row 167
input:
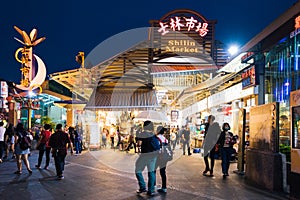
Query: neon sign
column 183, row 46
column 297, row 22
column 177, row 23
column 248, row 77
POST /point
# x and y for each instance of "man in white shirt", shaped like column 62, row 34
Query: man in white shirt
column 2, row 132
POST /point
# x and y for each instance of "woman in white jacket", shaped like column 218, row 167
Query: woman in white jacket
column 161, row 162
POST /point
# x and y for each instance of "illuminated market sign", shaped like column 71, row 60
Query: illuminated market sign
column 297, row 22
column 248, row 77
column 297, row 27
column 182, row 46
column 177, row 23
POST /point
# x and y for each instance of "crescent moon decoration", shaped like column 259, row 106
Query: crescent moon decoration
column 39, row 77
column 41, row 74
column 16, row 55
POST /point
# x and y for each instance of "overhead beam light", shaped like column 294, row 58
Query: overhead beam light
column 233, row 50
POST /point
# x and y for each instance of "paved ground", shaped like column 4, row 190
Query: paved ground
column 108, row 174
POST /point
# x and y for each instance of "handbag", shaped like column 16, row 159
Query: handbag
column 166, row 153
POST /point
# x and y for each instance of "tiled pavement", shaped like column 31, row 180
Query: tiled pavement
column 108, row 174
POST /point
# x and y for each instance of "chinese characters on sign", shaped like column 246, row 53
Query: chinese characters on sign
column 297, row 27
column 248, row 77
column 180, row 22
column 297, row 22
column 4, row 94
column 4, row 89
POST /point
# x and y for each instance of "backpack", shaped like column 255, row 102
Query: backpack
column 155, row 143
column 25, row 141
column 166, row 153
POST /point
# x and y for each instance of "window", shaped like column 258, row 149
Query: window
column 296, row 127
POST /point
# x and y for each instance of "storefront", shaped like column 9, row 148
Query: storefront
column 180, row 51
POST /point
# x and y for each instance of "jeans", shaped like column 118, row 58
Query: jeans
column 225, row 155
column 186, row 143
column 41, row 154
column 59, row 164
column 149, row 160
column 173, row 144
column 77, row 147
column 103, row 142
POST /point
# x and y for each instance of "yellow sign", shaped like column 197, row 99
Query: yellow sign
column 182, row 46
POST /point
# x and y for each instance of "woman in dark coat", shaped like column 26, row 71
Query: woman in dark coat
column 226, row 142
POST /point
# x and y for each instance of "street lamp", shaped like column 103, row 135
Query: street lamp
column 233, row 50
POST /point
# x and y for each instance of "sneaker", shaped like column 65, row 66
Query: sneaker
column 46, row 167
column 205, row 172
column 18, row 172
column 61, row 177
column 37, row 166
column 150, row 193
column 162, row 190
column 141, row 191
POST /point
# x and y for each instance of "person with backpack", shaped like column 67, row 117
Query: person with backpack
column 43, row 146
column 22, row 147
column 150, row 147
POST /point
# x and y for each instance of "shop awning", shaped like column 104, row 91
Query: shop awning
column 126, row 99
column 204, row 86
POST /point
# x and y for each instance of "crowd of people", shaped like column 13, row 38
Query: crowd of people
column 18, row 141
column 144, row 139
column 217, row 139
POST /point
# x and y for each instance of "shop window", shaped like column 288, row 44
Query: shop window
column 296, row 127
column 284, row 130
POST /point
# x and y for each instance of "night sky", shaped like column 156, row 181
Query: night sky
column 71, row 26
